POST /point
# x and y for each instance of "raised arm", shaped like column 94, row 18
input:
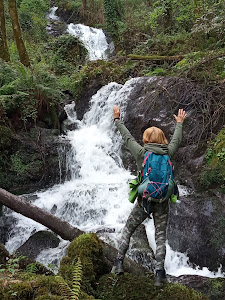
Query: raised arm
column 129, row 140
column 177, row 136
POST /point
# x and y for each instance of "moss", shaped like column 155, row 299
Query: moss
column 49, row 297
column 216, row 288
column 104, row 72
column 90, row 250
column 16, row 290
column 129, row 287
column 213, row 173
column 46, row 283
column 179, row 292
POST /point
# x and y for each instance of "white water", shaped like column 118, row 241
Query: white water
column 94, row 41
column 96, row 196
column 51, row 15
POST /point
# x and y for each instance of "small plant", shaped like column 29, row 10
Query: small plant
column 12, row 265
column 66, row 291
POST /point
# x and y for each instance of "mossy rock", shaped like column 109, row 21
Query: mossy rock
column 90, row 250
column 49, row 297
column 16, row 290
column 213, row 174
column 216, row 288
column 131, row 287
column 6, row 137
column 3, row 254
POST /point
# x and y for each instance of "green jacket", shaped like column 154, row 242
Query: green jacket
column 139, row 151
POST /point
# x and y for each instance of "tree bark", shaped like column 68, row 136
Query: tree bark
column 4, row 51
column 24, row 58
column 19, row 205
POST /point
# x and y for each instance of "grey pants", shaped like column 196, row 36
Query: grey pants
column 136, row 217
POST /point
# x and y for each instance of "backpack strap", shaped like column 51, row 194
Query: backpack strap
column 144, row 162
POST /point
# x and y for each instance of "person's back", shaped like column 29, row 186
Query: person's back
column 154, row 141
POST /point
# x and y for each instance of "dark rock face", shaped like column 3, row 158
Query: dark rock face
column 33, row 161
column 3, row 255
column 82, row 104
column 6, row 225
column 196, row 226
column 36, row 243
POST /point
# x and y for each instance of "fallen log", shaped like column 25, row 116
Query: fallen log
column 21, row 206
column 155, row 57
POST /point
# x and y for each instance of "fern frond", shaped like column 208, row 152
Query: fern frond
column 65, row 290
column 77, row 277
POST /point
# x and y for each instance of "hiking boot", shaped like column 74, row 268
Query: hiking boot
column 118, row 266
column 160, row 277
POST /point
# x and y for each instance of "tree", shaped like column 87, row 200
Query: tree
column 4, row 52
column 24, row 58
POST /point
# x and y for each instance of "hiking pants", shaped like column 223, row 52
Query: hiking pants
column 136, row 217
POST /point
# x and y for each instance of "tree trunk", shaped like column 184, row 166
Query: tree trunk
column 84, row 4
column 62, row 228
column 19, row 205
column 155, row 57
column 24, row 58
column 4, row 51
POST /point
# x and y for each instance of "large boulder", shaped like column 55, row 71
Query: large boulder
column 196, row 227
column 39, row 241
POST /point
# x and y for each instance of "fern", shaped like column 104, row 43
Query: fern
column 77, row 275
column 66, row 291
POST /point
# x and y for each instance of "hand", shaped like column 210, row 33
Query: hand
column 181, row 116
column 116, row 111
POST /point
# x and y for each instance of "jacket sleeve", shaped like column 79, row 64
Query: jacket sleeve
column 176, row 139
column 129, row 140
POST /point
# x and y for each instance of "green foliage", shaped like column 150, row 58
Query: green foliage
column 213, row 174
column 72, row 293
column 68, row 52
column 103, row 71
column 32, row 15
column 6, row 137
column 114, row 11
column 28, row 93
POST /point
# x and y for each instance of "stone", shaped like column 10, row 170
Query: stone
column 39, row 241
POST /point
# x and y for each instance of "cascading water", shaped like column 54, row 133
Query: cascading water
column 95, row 197
column 94, row 41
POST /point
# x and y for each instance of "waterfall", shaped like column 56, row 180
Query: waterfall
column 96, row 196
column 94, row 41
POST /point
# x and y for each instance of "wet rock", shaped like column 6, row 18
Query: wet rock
column 139, row 249
column 214, row 288
column 196, row 227
column 6, row 225
column 33, row 161
column 3, row 255
column 37, row 242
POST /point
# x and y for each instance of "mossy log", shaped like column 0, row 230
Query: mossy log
column 155, row 57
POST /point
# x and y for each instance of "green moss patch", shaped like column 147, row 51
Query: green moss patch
column 90, row 250
column 129, row 287
column 213, row 174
